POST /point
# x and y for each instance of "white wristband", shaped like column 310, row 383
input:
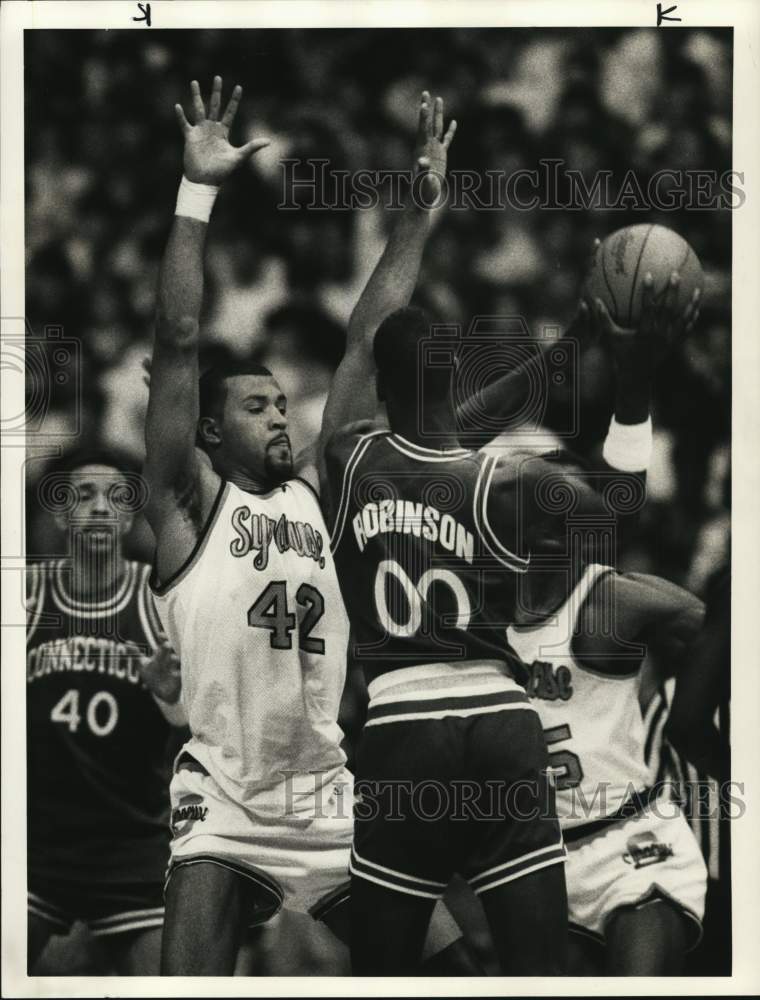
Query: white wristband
column 628, row 447
column 195, row 201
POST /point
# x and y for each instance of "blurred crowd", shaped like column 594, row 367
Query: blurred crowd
column 103, row 160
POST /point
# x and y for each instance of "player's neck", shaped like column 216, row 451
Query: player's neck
column 250, row 484
column 97, row 576
column 440, row 429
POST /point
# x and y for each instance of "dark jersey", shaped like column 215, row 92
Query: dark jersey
column 424, row 576
column 97, row 743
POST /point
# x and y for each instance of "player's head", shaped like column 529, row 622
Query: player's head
column 94, row 493
column 553, row 538
column 408, row 372
column 243, row 422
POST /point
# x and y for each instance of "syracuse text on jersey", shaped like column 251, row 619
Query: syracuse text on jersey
column 258, row 535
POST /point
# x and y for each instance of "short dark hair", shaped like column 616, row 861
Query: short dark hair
column 396, row 349
column 220, row 365
column 72, row 461
column 565, row 457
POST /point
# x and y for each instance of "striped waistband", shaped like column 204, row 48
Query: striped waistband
column 633, row 806
column 436, row 690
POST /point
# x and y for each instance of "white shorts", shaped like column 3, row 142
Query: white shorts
column 295, row 861
column 631, row 862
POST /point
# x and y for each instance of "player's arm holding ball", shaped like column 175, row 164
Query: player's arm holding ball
column 182, row 486
column 352, row 394
column 636, row 352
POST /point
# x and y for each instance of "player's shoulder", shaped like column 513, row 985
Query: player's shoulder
column 344, row 440
column 502, row 472
column 509, row 464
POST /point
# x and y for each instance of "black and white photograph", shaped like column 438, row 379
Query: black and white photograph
column 379, row 466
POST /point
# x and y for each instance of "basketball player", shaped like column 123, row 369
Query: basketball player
column 636, row 879
column 429, row 546
column 246, row 587
column 580, row 629
column 97, row 739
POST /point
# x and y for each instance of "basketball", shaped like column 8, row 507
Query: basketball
column 622, row 260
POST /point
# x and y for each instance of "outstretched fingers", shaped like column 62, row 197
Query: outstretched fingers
column 198, row 105
column 424, row 120
column 252, row 147
column 216, row 99
column 438, row 118
column 649, row 307
column 602, row 319
column 184, row 124
column 450, row 133
column 691, row 312
column 670, row 298
column 231, row 110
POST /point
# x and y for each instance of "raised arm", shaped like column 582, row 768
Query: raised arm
column 635, row 355
column 352, row 394
column 182, row 487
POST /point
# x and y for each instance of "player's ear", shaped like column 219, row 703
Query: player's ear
column 209, row 432
column 61, row 521
column 126, row 521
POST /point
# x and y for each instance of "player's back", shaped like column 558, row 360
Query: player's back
column 259, row 625
column 424, row 577
column 430, row 588
column 97, row 742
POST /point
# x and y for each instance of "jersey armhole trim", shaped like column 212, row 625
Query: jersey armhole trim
column 516, row 563
column 161, row 589
column 345, row 491
column 148, row 613
column 308, row 486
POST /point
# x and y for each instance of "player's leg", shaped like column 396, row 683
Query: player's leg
column 528, row 920
column 38, row 933
column 584, row 956
column 514, row 853
column 126, row 920
column 204, row 921
column 388, row 929
column 401, row 856
column 45, row 918
column 134, row 953
column 444, row 951
column 647, row 940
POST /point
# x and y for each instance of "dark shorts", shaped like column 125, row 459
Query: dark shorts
column 107, row 908
column 467, row 795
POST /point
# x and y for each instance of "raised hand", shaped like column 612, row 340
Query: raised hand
column 660, row 324
column 209, row 155
column 431, row 150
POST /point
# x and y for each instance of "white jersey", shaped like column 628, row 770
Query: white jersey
column 258, row 622
column 592, row 720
